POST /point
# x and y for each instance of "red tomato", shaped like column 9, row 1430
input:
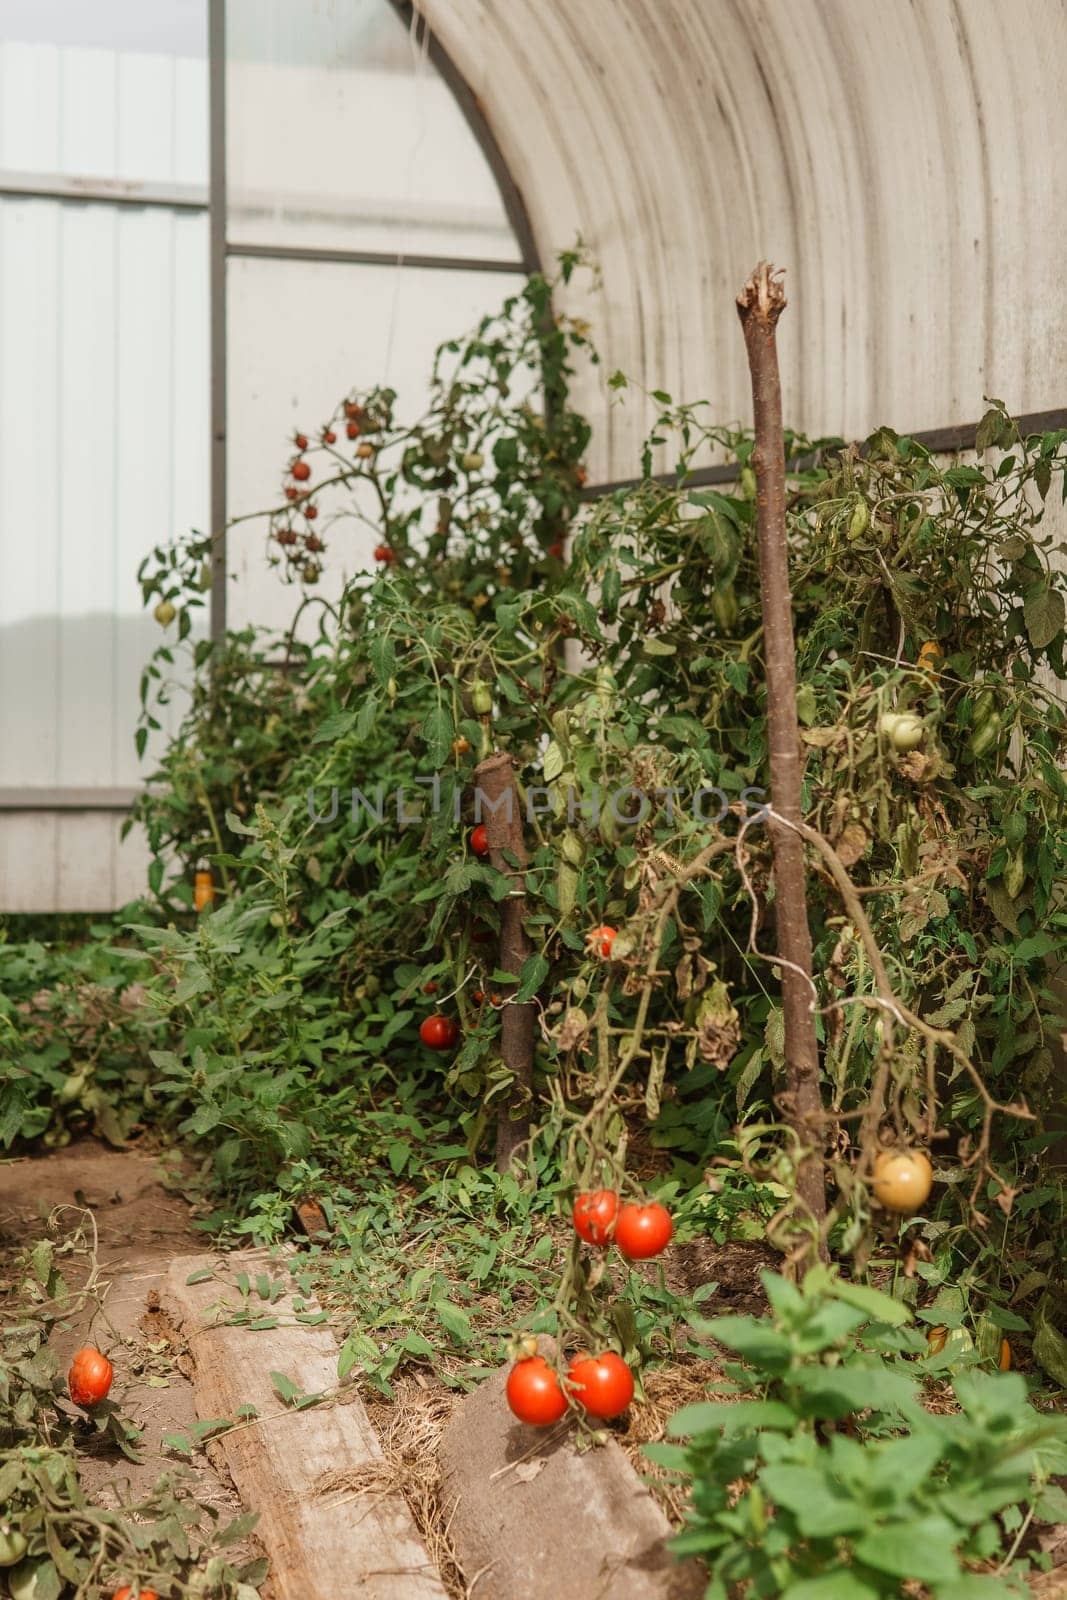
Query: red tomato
column 291, row 493
column 329, row 437
column 534, row 1392
column 301, row 471
column 604, row 1384
column 126, row 1593
column 478, row 996
column 598, row 941
column 480, row 840
column 352, row 429
column 311, row 512
column 643, row 1231
column 384, row 552
column 556, row 549
column 429, row 988
column 439, row 1032
column 89, row 1378
column 300, row 440
column 594, row 1215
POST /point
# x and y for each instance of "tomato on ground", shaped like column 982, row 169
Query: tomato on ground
column 89, row 1378
column 604, row 1385
column 594, row 1215
column 439, row 1032
column 534, row 1393
column 643, row 1231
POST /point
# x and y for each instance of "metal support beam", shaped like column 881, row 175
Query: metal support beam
column 67, row 799
column 373, row 258
column 102, row 191
column 939, row 441
column 217, row 183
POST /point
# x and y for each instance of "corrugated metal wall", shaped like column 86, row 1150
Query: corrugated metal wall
column 905, row 159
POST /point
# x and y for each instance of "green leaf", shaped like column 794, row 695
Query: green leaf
column 358, row 1347
column 1050, row 1352
column 709, row 1416
column 879, row 1307
column 532, row 975
column 922, row 1548
column 438, row 730
column 201, row 1275
column 454, row 1320
column 840, row 1585
column 1044, row 615
column 284, row 1388
column 975, row 1586
column 822, row 1509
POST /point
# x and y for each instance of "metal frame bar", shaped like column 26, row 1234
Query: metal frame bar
column 217, row 278
column 102, row 191
column 372, row 258
column 939, row 441
column 67, row 799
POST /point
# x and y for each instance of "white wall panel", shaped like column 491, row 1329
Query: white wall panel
column 104, row 446
column 69, row 861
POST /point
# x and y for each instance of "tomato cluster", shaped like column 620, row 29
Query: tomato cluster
column 640, row 1232
column 602, row 1385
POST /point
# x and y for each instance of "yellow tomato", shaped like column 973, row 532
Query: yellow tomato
column 902, row 1179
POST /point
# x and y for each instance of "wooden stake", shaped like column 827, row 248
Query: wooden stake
column 760, row 304
column 495, row 778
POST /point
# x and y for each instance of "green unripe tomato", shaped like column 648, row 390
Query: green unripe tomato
column 859, row 520
column 1015, row 873
column 481, row 697
column 71, row 1089
column 165, row 613
column 748, row 483
column 724, row 607
column 473, row 461
column 903, row 729
column 13, row 1545
column 277, row 919
column 22, row 1580
column 983, row 736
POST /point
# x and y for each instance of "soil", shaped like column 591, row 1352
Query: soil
column 142, row 1222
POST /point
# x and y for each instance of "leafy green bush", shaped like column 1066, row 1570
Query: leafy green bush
column 819, row 1474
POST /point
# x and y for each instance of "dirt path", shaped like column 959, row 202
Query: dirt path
column 142, row 1225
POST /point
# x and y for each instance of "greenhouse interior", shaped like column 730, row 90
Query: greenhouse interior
column 533, row 807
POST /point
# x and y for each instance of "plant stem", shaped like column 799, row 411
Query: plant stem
column 760, row 304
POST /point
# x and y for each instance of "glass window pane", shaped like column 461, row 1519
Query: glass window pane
column 301, row 336
column 342, row 135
